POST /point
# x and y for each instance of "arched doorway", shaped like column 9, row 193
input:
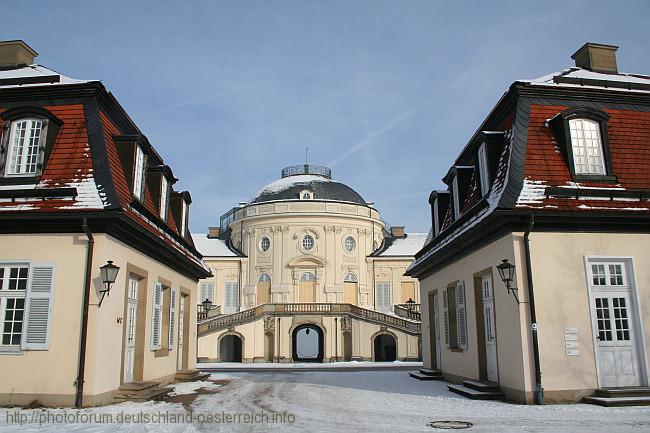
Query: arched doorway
column 263, row 289
column 350, row 290
column 308, row 343
column 385, row 348
column 307, row 287
column 230, row 349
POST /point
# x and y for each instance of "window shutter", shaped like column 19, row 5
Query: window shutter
column 156, row 316
column 445, row 315
column 172, row 319
column 460, row 312
column 36, row 333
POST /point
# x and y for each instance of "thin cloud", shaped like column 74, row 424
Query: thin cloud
column 395, row 121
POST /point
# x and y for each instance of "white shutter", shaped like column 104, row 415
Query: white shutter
column 206, row 292
column 156, row 316
column 172, row 318
column 445, row 316
column 38, row 311
column 460, row 313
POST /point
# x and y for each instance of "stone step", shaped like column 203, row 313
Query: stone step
column 618, row 401
column 635, row 391
column 141, row 391
column 138, row 386
column 481, row 386
column 475, row 394
column 418, row 375
column 190, row 375
column 430, row 371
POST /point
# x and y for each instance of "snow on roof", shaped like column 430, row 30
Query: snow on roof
column 406, row 246
column 590, row 77
column 288, row 182
column 212, row 247
column 35, row 71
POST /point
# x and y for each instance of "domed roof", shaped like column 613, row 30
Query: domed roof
column 316, row 179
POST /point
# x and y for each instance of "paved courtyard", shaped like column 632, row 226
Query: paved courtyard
column 330, row 401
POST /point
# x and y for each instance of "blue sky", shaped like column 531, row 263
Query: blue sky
column 386, row 93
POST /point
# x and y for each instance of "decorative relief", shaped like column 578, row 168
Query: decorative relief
column 346, row 324
column 269, row 324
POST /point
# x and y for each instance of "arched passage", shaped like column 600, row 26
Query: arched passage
column 385, row 348
column 308, row 343
column 230, row 349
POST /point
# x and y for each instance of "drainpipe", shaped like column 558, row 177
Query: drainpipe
column 336, row 339
column 79, row 382
column 539, row 391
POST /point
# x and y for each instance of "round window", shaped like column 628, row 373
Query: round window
column 265, row 244
column 308, row 242
column 350, row 244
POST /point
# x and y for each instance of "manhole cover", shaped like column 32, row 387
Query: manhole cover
column 450, row 425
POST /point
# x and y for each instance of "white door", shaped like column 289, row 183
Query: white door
column 490, row 337
column 614, row 326
column 131, row 316
column 436, row 319
column 181, row 324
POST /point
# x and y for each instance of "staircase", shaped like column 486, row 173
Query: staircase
column 190, row 375
column 141, row 391
column 616, row 397
column 215, row 324
column 426, row 374
column 477, row 390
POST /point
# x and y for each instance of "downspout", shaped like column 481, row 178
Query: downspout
column 79, row 382
column 539, row 391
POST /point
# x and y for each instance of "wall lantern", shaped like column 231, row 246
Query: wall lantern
column 507, row 274
column 207, row 305
column 109, row 274
column 410, row 304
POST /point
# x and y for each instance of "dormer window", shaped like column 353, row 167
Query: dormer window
column 306, row 195
column 582, row 136
column 484, row 170
column 138, row 173
column 184, row 215
column 28, row 134
column 587, row 147
column 164, row 197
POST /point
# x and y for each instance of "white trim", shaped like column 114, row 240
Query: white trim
column 483, row 169
column 455, row 197
column 436, row 218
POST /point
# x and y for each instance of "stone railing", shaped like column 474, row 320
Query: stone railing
column 403, row 310
column 215, row 324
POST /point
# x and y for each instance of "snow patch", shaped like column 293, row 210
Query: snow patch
column 184, row 388
column 407, row 246
column 288, row 182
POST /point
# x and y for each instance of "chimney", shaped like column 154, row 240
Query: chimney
column 213, row 232
column 16, row 53
column 397, row 231
column 597, row 58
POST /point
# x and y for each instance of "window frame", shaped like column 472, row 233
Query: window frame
column 483, row 169
column 306, row 238
column 562, row 128
column 353, row 244
column 139, row 173
column 455, row 197
column 49, row 130
column 164, row 198
column 15, row 294
column 261, row 245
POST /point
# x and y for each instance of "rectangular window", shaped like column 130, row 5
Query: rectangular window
column 13, row 289
column 207, row 290
column 587, row 147
column 483, row 169
column 455, row 195
column 455, row 316
column 383, row 296
column 24, row 147
column 164, row 194
column 138, row 173
column 608, row 274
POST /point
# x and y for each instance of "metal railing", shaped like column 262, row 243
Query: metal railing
column 210, row 325
column 202, row 313
column 410, row 312
column 293, row 170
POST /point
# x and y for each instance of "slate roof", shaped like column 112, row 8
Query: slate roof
column 289, row 188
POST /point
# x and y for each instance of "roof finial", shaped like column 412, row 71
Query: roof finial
column 306, row 153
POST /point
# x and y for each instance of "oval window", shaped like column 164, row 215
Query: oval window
column 350, row 244
column 308, row 242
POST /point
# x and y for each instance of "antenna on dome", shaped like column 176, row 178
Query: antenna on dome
column 306, row 154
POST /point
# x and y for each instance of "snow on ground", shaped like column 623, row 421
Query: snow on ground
column 183, row 388
column 337, row 401
column 306, row 365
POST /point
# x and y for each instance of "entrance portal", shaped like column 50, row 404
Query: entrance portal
column 230, row 349
column 385, row 348
column 308, row 343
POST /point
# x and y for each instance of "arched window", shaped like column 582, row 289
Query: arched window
column 264, row 278
column 308, row 276
column 587, row 147
column 350, row 278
